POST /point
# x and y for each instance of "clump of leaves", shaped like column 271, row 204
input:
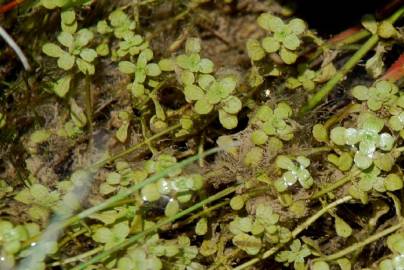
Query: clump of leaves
column 155, row 251
column 178, row 187
column 283, row 38
column 191, row 60
column 383, row 93
column 40, row 200
column 122, row 177
column 204, row 89
column 141, row 70
column 384, row 29
column 274, row 122
column 365, row 141
column 296, row 172
column 251, row 233
column 11, row 237
column 306, row 80
column 296, row 255
column 111, row 236
column 395, row 243
column 76, row 52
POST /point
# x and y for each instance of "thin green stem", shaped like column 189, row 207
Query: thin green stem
column 348, row 66
column 126, row 152
column 340, row 182
column 136, row 187
column 79, row 257
column 329, row 86
column 313, row 151
column 295, row 233
column 363, row 243
column 155, row 228
column 353, row 38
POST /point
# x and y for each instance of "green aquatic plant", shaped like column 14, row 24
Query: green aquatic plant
column 275, row 122
column 284, row 38
column 191, row 60
column 365, row 138
column 296, row 255
column 39, row 199
column 383, row 93
column 12, row 237
column 78, row 53
column 306, row 80
column 296, row 172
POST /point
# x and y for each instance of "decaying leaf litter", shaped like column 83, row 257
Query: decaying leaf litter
column 199, row 135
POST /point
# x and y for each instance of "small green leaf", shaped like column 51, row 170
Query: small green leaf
column 320, row 265
column 202, row 106
column 320, row 133
column 342, row 228
column 83, row 37
column 237, row 202
column 153, row 70
column 360, row 92
column 167, row 64
column 285, row 163
column 206, row 66
column 122, row 132
column 254, row 50
column 52, row 50
column 287, row 56
column 232, row 105
column 172, row 208
column 85, row 67
column 369, row 22
column 193, row 92
column 337, row 135
column 250, row 244
column 393, row 182
column 62, row 86
column 201, row 227
column 270, row 44
column 386, row 30
column 150, row 193
column 291, row 42
column 228, row 121
column 66, row 39
column 88, row 54
column 259, row 137
column 68, row 16
column 66, row 61
column 298, row 26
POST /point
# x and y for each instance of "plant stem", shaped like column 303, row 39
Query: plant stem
column 101, row 163
column 155, row 228
column 340, row 182
column 348, row 66
column 363, row 243
column 295, row 233
column 79, row 257
column 329, row 86
column 313, row 151
column 136, row 187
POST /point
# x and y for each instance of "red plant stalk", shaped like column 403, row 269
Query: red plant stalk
column 396, row 70
column 10, row 6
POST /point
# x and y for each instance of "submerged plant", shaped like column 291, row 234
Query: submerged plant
column 283, row 38
column 295, row 172
column 366, row 139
